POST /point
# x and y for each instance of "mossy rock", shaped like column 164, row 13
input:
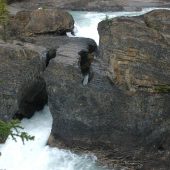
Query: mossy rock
column 162, row 88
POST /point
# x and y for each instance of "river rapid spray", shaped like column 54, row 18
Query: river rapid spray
column 36, row 155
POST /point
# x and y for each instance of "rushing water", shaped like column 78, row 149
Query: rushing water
column 36, row 155
column 86, row 22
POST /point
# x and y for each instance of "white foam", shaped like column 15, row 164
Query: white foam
column 36, row 155
column 86, row 22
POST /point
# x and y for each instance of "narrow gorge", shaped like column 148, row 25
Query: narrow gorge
column 118, row 119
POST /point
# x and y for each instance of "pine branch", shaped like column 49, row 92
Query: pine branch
column 13, row 128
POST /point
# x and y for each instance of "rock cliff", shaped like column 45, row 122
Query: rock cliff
column 125, row 105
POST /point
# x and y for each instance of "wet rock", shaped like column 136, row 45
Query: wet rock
column 22, row 90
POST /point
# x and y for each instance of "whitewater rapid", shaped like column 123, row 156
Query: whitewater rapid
column 36, row 155
column 86, row 22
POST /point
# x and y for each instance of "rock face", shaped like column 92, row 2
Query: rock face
column 125, row 105
column 159, row 20
column 42, row 21
column 12, row 1
column 137, row 53
column 67, row 95
column 22, row 89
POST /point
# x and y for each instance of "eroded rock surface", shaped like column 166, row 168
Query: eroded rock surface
column 137, row 53
column 22, row 89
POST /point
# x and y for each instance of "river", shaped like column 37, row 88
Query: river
column 36, row 155
column 86, row 22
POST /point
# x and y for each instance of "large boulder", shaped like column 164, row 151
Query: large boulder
column 22, row 89
column 125, row 106
column 136, row 51
column 99, row 113
column 137, row 54
column 41, row 21
column 67, row 95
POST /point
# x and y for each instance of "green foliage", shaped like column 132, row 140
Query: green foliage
column 108, row 20
column 4, row 18
column 13, row 128
column 1, row 82
column 106, row 17
column 162, row 88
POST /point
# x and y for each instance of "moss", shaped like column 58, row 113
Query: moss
column 162, row 88
column 1, row 82
column 4, row 18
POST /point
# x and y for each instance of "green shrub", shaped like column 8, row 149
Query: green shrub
column 13, row 128
column 4, row 18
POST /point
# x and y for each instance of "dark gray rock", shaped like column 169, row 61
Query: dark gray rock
column 100, row 114
column 22, row 90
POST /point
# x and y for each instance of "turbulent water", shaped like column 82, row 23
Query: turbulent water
column 36, row 155
column 86, row 22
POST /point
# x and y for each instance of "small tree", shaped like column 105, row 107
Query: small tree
column 13, row 128
column 4, row 18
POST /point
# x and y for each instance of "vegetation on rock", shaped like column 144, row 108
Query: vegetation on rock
column 13, row 128
column 162, row 89
column 4, row 15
